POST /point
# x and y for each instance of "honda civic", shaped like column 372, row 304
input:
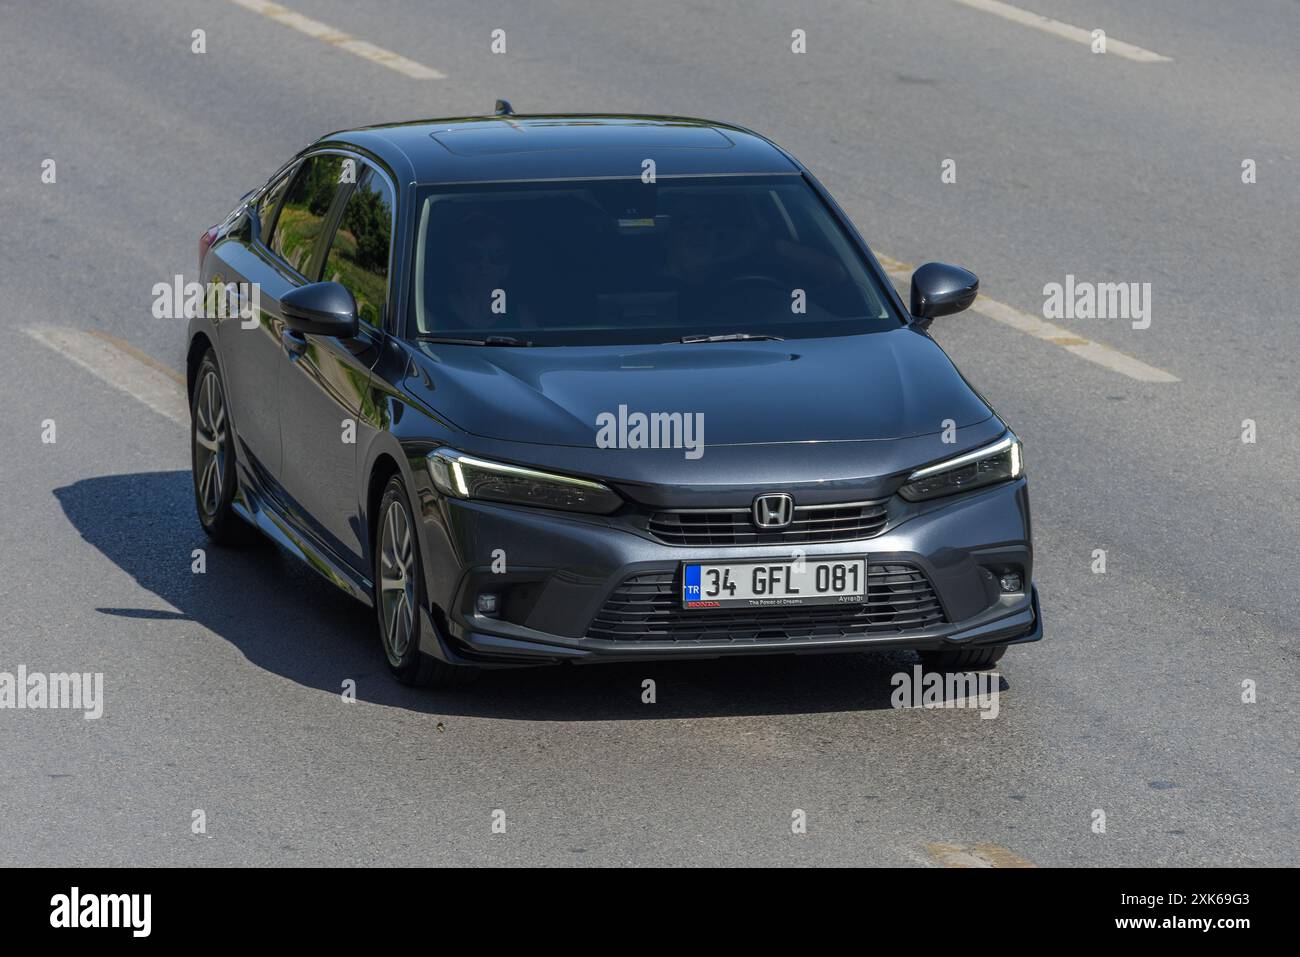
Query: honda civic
column 590, row 388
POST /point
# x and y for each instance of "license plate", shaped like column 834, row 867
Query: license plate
column 774, row 584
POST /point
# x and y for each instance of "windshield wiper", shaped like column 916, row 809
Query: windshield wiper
column 488, row 341
column 731, row 337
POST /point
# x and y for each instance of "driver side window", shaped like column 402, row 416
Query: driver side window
column 359, row 251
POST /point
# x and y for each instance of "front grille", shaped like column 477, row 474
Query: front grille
column 648, row 608
column 812, row 525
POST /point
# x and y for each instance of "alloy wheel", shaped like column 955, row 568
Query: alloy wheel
column 397, row 580
column 210, row 440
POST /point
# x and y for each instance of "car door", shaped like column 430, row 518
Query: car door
column 323, row 379
column 251, row 352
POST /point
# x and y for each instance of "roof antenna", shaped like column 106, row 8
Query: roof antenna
column 504, row 108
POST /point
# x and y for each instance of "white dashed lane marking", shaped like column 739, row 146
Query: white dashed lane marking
column 1078, row 34
column 337, row 38
column 121, row 366
column 1102, row 355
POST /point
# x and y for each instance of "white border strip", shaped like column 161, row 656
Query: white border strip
column 1065, row 30
column 117, row 367
column 337, row 38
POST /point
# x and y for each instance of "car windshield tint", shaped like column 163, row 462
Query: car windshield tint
column 622, row 261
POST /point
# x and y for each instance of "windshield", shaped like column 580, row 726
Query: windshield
column 623, row 262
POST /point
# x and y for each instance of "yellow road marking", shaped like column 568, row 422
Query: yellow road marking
column 975, row 855
column 1102, row 355
column 1079, row 35
column 344, row 41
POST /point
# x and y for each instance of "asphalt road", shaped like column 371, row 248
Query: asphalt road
column 222, row 690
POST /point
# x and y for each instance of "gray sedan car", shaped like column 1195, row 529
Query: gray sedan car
column 550, row 389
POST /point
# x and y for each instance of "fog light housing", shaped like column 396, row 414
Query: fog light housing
column 1010, row 582
column 487, row 603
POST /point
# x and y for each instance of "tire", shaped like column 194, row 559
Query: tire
column 399, row 595
column 212, row 458
column 967, row 659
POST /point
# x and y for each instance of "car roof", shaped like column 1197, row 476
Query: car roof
column 564, row 146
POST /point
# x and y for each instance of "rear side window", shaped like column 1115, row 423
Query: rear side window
column 358, row 256
column 269, row 200
column 301, row 221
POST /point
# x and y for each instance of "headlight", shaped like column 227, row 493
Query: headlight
column 463, row 476
column 999, row 462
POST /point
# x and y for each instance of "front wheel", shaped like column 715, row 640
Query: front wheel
column 399, row 596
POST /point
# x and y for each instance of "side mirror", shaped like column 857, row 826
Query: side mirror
column 321, row 309
column 939, row 289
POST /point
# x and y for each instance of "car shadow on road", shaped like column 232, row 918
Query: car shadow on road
column 286, row 619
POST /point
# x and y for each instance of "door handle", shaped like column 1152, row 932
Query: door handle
column 293, row 342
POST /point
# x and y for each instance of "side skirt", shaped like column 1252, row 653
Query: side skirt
column 257, row 508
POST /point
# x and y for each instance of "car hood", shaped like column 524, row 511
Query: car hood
column 878, row 386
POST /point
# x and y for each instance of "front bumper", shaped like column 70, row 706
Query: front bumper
column 553, row 573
